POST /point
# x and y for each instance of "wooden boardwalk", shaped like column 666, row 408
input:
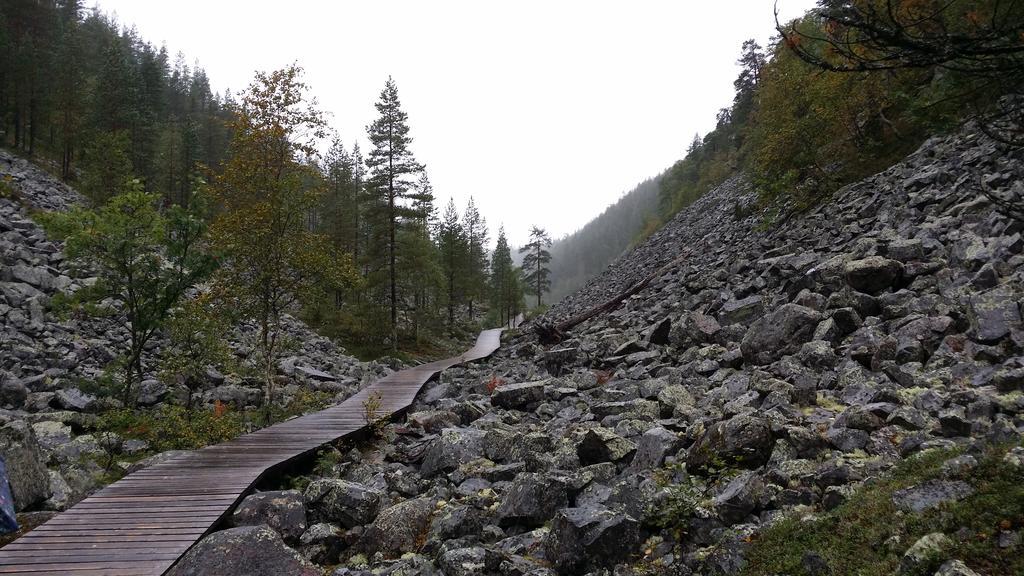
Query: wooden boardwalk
column 142, row 524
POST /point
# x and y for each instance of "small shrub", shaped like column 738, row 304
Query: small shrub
column 682, row 501
column 303, row 402
column 174, row 427
column 372, row 413
column 493, row 383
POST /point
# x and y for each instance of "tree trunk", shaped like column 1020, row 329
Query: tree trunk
column 268, row 373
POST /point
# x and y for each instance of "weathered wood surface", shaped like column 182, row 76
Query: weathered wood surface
column 143, row 523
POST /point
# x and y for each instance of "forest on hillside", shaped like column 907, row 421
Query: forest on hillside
column 350, row 239
column 851, row 87
column 826, row 104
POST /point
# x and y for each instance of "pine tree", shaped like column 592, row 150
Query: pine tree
column 418, row 266
column 501, row 277
column 535, row 264
column 474, row 228
column 452, row 244
column 391, row 165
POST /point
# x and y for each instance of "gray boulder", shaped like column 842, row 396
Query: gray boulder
column 465, row 561
column 398, row 529
column 348, row 503
column 245, row 551
column 591, row 537
column 519, row 395
column 742, row 440
column 531, row 500
column 654, row 445
column 931, row 494
column 13, row 393
column 455, row 446
column 322, row 543
column 695, row 328
column 26, row 468
column 741, row 311
column 74, row 399
column 872, row 274
column 741, row 496
column 281, row 510
column 993, row 314
column 778, row 334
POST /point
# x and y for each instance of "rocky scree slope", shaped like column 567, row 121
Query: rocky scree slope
column 777, row 369
column 46, row 419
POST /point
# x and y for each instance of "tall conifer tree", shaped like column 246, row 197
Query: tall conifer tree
column 392, row 166
column 535, row 264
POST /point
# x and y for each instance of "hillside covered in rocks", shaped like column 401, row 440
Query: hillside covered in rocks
column 800, row 394
column 50, row 362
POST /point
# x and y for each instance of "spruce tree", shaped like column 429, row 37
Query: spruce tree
column 535, row 264
column 501, row 277
column 474, row 227
column 391, row 165
column 452, row 244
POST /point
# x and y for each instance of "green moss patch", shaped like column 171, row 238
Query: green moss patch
column 869, row 533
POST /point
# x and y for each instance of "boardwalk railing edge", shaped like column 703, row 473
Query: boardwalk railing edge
column 144, row 523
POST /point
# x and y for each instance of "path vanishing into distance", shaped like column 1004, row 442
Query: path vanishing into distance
column 143, row 523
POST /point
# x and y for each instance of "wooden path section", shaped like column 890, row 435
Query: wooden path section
column 141, row 524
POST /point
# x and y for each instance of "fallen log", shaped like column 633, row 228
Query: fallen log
column 555, row 333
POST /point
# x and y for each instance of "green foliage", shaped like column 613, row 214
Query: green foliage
column 144, row 261
column 303, row 402
column 373, row 411
column 506, row 283
column 813, row 132
column 107, row 168
column 197, row 332
column 273, row 258
column 869, row 533
column 7, row 189
column 536, row 264
column 86, row 92
column 174, row 427
column 682, row 501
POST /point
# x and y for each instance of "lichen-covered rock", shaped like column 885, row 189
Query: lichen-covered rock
column 742, row 440
column 873, row 274
column 780, row 333
column 281, row 510
column 518, row 395
column 455, row 446
column 926, row 550
column 26, row 464
column 399, row 529
column 347, row 503
column 245, row 551
column 587, row 538
column 602, row 445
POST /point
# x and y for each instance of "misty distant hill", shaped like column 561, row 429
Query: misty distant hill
column 583, row 254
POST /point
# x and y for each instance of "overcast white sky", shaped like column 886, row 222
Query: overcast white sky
column 544, row 111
